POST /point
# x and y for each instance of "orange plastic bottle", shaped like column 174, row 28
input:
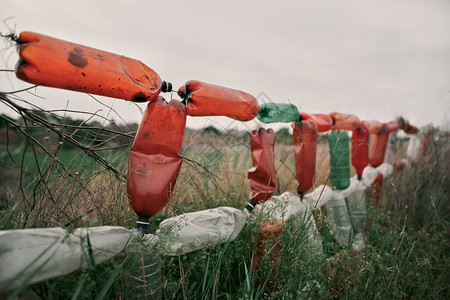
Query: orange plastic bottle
column 360, row 149
column 305, row 147
column 155, row 157
column 205, row 99
column 261, row 177
column 56, row 63
column 344, row 121
column 392, row 126
column 373, row 126
column 323, row 122
column 378, row 146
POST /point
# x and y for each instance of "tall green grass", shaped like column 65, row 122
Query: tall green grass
column 407, row 254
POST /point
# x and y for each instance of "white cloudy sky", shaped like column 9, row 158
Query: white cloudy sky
column 376, row 59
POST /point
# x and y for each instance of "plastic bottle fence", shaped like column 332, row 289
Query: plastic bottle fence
column 360, row 149
column 379, row 143
column 323, row 121
column 205, row 99
column 155, row 157
column 261, row 177
column 56, row 63
column 278, row 112
column 339, row 159
column 305, row 148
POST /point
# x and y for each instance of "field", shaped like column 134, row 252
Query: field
column 407, row 252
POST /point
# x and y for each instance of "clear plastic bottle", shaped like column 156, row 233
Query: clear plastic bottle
column 145, row 279
column 278, row 112
column 339, row 216
column 356, row 204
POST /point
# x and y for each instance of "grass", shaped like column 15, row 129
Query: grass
column 407, row 251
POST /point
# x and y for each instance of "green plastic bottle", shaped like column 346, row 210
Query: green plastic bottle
column 339, row 143
column 278, row 112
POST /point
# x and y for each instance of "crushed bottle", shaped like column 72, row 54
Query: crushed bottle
column 344, row 121
column 56, row 63
column 261, row 177
column 373, row 126
column 278, row 112
column 205, row 99
column 155, row 157
column 305, row 148
column 338, row 214
column 339, row 143
column 323, row 122
column 360, row 149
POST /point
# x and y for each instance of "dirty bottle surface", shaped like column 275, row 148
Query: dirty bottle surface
column 339, row 143
column 56, row 63
column 155, row 157
column 278, row 112
column 305, row 148
column 205, row 99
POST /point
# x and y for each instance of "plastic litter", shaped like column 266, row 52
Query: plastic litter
column 261, row 177
column 31, row 255
column 391, row 149
column 344, row 121
column 360, row 149
column 193, row 231
column 319, row 196
column 373, row 126
column 378, row 147
column 56, row 63
column 323, row 122
column 412, row 151
column 356, row 204
column 392, row 126
column 205, row 99
column 407, row 127
column 278, row 112
column 155, row 157
column 339, row 216
column 269, row 241
column 339, row 143
column 305, row 148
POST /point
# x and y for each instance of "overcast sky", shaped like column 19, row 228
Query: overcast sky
column 376, row 59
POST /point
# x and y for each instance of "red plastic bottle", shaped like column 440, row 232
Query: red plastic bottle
column 373, row 126
column 269, row 240
column 56, row 63
column 205, row 99
column 261, row 177
column 323, row 122
column 376, row 186
column 305, row 147
column 360, row 149
column 344, row 121
column 155, row 157
column 378, row 147
column 392, row 126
